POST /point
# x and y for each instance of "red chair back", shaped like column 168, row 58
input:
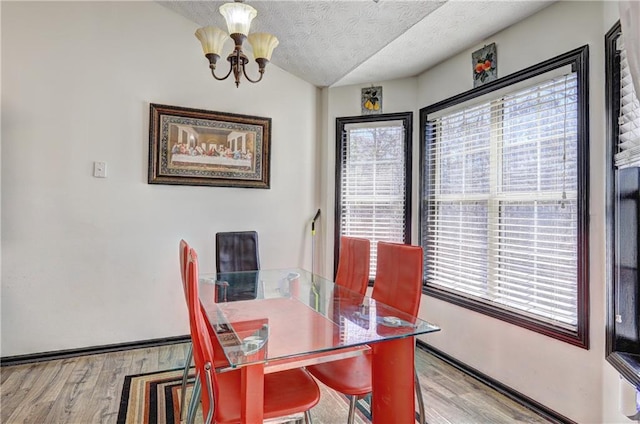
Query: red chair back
column 353, row 264
column 202, row 345
column 398, row 281
column 184, row 252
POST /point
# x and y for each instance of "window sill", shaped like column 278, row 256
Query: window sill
column 578, row 338
column 628, row 365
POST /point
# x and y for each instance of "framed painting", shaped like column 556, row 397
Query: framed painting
column 371, row 100
column 485, row 65
column 206, row 148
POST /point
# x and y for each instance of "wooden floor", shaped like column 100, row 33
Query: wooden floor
column 86, row 390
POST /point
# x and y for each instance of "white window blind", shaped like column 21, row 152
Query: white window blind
column 501, row 196
column 372, row 186
column 629, row 120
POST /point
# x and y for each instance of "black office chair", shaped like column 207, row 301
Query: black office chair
column 237, row 251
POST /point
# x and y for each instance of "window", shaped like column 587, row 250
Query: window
column 504, row 198
column 373, row 180
column 623, row 211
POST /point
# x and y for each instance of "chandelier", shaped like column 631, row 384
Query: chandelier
column 238, row 16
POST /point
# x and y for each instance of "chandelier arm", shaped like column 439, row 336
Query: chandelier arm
column 244, row 71
column 221, row 78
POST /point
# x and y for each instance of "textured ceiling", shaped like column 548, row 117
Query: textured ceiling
column 339, row 42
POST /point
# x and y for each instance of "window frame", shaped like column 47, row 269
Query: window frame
column 625, row 363
column 341, row 122
column 578, row 59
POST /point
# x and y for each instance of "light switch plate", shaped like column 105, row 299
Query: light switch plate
column 100, row 169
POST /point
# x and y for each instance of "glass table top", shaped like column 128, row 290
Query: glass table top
column 268, row 315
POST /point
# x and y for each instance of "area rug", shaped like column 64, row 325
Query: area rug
column 154, row 398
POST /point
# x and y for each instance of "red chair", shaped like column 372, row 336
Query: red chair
column 353, row 264
column 398, row 283
column 183, row 252
column 285, row 392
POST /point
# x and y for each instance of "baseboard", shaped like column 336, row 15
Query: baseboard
column 70, row 353
column 514, row 395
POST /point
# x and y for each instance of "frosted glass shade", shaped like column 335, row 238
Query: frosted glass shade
column 263, row 44
column 238, row 17
column 212, row 39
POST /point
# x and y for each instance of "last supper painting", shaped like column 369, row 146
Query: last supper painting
column 198, row 147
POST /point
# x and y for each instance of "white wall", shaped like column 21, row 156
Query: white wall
column 567, row 379
column 0, row 185
column 574, row 382
column 397, row 96
column 91, row 261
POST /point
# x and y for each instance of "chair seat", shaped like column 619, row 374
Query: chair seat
column 286, row 392
column 351, row 376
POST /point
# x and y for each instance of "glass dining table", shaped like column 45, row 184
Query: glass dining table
column 272, row 320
